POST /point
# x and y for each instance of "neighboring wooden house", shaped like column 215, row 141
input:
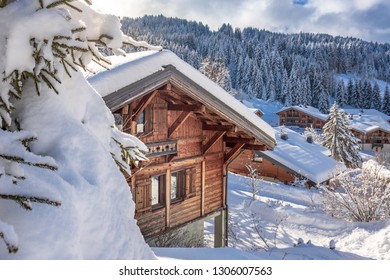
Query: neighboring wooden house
column 371, row 127
column 257, row 112
column 193, row 129
column 294, row 156
column 302, row 117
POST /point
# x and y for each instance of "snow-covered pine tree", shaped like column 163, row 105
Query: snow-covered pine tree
column 339, row 139
column 216, row 70
column 315, row 135
column 386, row 101
column 351, row 97
column 376, row 100
column 323, row 100
column 42, row 46
column 340, row 94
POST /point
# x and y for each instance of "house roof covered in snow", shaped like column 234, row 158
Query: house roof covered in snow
column 311, row 111
column 300, row 157
column 140, row 73
column 368, row 120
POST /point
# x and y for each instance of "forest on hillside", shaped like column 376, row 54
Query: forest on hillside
column 294, row 69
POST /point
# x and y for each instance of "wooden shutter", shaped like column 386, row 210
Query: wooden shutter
column 143, row 196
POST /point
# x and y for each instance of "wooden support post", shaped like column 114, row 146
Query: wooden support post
column 218, row 135
column 220, row 230
column 184, row 107
column 224, row 184
column 145, row 101
column 178, row 122
column 231, row 128
column 168, row 198
column 233, row 152
column 203, row 187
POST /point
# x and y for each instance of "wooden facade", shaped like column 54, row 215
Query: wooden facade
column 376, row 140
column 293, row 117
column 266, row 169
column 192, row 137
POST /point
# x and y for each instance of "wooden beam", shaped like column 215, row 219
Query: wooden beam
column 218, row 135
column 167, row 97
column 256, row 147
column 184, row 107
column 233, row 152
column 230, row 128
column 238, row 140
column 145, row 101
column 178, row 122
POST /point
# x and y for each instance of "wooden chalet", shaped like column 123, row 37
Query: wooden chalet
column 302, row 117
column 371, row 127
column 294, row 157
column 194, row 130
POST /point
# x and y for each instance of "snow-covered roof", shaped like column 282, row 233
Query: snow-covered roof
column 137, row 69
column 307, row 159
column 311, row 111
column 368, row 120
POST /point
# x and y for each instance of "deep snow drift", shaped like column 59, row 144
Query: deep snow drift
column 74, row 132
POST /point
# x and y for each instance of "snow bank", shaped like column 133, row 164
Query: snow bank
column 74, row 132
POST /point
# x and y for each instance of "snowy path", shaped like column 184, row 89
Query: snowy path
column 291, row 213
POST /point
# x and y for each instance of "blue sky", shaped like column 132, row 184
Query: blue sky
column 366, row 19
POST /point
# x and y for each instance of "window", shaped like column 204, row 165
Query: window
column 158, row 191
column 178, row 185
column 141, row 123
column 118, row 121
column 182, row 186
column 144, row 122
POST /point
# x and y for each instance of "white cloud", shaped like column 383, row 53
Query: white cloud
column 366, row 19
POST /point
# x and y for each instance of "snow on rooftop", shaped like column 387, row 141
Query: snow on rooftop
column 136, row 66
column 308, row 159
column 368, row 120
column 314, row 112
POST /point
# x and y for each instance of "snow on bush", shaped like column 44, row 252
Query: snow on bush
column 62, row 149
column 360, row 195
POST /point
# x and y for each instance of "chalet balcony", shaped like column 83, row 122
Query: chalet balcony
column 292, row 118
column 162, row 148
column 377, row 145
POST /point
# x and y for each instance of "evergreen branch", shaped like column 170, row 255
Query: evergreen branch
column 78, row 29
column 12, row 249
column 66, row 68
column 22, row 161
column 89, row 2
column 70, row 65
column 49, row 84
column 24, row 201
column 51, row 74
column 60, row 37
column 26, row 141
column 73, row 7
column 3, row 3
column 58, row 3
column 98, row 62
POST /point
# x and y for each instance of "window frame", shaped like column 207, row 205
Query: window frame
column 161, row 191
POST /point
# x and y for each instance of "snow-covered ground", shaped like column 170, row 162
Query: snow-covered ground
column 285, row 216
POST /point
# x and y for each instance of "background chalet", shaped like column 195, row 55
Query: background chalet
column 294, row 156
column 193, row 129
column 370, row 126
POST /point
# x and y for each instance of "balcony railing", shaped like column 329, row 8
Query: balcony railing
column 162, row 148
